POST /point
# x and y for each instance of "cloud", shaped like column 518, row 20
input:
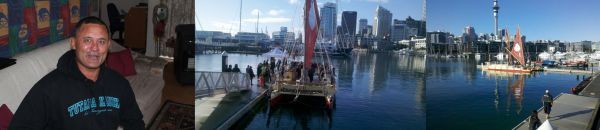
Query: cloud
column 255, row 12
column 293, row 1
column 268, row 20
column 275, row 12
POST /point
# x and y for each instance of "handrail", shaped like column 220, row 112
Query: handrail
column 210, row 83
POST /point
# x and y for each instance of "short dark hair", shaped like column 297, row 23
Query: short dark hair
column 91, row 20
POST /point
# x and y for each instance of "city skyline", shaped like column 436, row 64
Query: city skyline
column 538, row 19
column 287, row 13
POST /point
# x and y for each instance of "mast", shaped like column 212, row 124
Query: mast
column 311, row 29
column 240, row 29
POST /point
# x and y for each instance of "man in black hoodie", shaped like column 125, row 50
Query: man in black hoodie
column 81, row 93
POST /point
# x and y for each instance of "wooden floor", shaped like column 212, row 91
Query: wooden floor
column 173, row 90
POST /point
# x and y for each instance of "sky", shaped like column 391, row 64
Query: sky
column 565, row 20
column 224, row 15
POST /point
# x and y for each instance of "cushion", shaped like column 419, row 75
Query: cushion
column 121, row 62
column 115, row 47
column 5, row 117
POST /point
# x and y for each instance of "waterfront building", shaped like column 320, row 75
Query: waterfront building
column 212, row 35
column 401, row 31
column 283, row 36
column 250, row 37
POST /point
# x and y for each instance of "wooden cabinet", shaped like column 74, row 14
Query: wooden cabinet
column 136, row 27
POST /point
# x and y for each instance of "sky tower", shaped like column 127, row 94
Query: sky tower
column 496, row 8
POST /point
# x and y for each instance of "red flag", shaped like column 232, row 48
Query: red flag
column 311, row 28
column 517, row 49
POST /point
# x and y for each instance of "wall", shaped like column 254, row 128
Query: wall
column 29, row 24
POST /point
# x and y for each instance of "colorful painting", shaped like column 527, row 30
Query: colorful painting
column 42, row 8
column 4, row 29
column 65, row 16
column 43, row 14
column 74, row 10
column 31, row 22
column 3, row 24
column 36, row 23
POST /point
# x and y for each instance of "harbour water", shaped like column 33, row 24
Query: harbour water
column 390, row 91
column 459, row 96
column 373, row 91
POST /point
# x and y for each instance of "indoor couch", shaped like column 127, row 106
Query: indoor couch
column 15, row 81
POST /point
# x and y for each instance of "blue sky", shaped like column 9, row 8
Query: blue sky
column 223, row 15
column 568, row 20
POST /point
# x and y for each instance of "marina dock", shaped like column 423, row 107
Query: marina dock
column 221, row 111
column 568, row 71
column 572, row 112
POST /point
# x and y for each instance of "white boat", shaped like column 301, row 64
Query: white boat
column 545, row 56
column 501, row 56
column 595, row 55
column 405, row 51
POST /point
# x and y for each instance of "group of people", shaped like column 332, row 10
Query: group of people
column 229, row 69
column 267, row 70
column 534, row 121
column 236, row 69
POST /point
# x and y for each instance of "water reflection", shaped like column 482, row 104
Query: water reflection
column 305, row 114
column 460, row 96
column 381, row 90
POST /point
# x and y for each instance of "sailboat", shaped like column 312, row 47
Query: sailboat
column 516, row 52
column 296, row 78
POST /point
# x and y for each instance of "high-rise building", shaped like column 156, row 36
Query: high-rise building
column 419, row 25
column 362, row 24
column 348, row 23
column 438, row 37
column 400, row 31
column 469, row 35
column 369, row 30
column 382, row 22
column 328, row 20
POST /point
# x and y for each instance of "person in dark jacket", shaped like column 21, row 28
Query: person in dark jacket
column 81, row 93
column 534, row 121
column 547, row 101
column 236, row 69
column 229, row 69
column 250, row 73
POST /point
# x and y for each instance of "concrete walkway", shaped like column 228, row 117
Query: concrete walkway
column 592, row 89
column 569, row 112
column 218, row 111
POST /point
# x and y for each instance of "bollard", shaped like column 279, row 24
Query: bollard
column 223, row 61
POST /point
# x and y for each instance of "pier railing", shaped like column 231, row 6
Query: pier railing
column 210, row 83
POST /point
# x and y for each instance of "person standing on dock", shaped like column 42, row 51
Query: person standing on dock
column 534, row 121
column 235, row 69
column 250, row 73
column 547, row 100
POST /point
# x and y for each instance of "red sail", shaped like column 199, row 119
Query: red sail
column 311, row 28
column 517, row 49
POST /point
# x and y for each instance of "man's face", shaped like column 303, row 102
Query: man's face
column 91, row 45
